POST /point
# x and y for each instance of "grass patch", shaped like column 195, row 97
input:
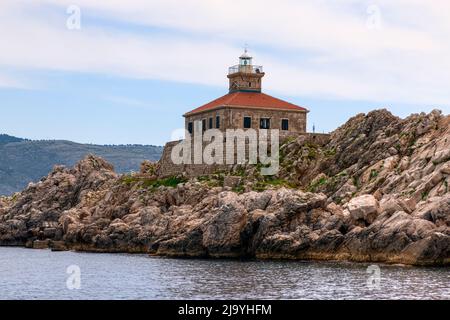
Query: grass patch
column 146, row 183
column 168, row 182
column 270, row 181
column 214, row 180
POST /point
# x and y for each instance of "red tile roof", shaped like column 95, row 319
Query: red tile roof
column 256, row 100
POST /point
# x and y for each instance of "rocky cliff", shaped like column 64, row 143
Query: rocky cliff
column 377, row 192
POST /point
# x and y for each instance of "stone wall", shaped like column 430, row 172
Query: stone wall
column 167, row 168
column 207, row 115
column 245, row 81
column 320, row 139
column 297, row 120
column 233, row 118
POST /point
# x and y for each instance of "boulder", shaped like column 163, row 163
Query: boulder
column 364, row 207
column 436, row 210
column 231, row 181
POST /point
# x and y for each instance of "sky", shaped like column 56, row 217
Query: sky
column 124, row 72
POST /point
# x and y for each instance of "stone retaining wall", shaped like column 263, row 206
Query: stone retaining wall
column 167, row 168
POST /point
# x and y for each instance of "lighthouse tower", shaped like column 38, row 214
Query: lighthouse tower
column 245, row 76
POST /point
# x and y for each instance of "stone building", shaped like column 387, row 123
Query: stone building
column 246, row 107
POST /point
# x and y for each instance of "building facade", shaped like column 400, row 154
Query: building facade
column 247, row 107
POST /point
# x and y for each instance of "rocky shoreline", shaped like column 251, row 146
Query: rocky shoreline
column 378, row 192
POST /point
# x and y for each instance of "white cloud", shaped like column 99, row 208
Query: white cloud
column 131, row 102
column 39, row 45
column 7, row 81
column 315, row 48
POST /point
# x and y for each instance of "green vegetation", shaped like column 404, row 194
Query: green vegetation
column 312, row 151
column 342, row 174
column 356, row 181
column 312, row 154
column 409, row 139
column 330, row 183
column 146, row 183
column 278, row 182
column 316, row 184
column 271, row 181
column 239, row 189
column 373, row 174
column 213, row 180
column 168, row 182
column 424, row 195
column 240, row 171
column 330, row 152
column 4, row 139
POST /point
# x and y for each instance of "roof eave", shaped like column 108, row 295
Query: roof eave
column 303, row 110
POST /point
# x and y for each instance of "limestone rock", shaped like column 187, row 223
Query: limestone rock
column 378, row 193
column 364, row 207
column 231, row 181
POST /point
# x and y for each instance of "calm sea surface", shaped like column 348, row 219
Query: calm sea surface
column 42, row 274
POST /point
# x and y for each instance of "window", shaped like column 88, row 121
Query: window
column 285, row 124
column 218, row 122
column 190, row 127
column 204, row 125
column 247, row 122
column 264, row 123
column 210, row 123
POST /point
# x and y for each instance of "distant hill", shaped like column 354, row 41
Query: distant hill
column 23, row 161
column 4, row 139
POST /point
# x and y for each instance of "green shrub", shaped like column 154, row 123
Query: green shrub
column 424, row 195
column 314, row 186
column 153, row 184
column 355, row 181
column 373, row 174
column 330, row 152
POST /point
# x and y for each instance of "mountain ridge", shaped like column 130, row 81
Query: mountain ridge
column 23, row 161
